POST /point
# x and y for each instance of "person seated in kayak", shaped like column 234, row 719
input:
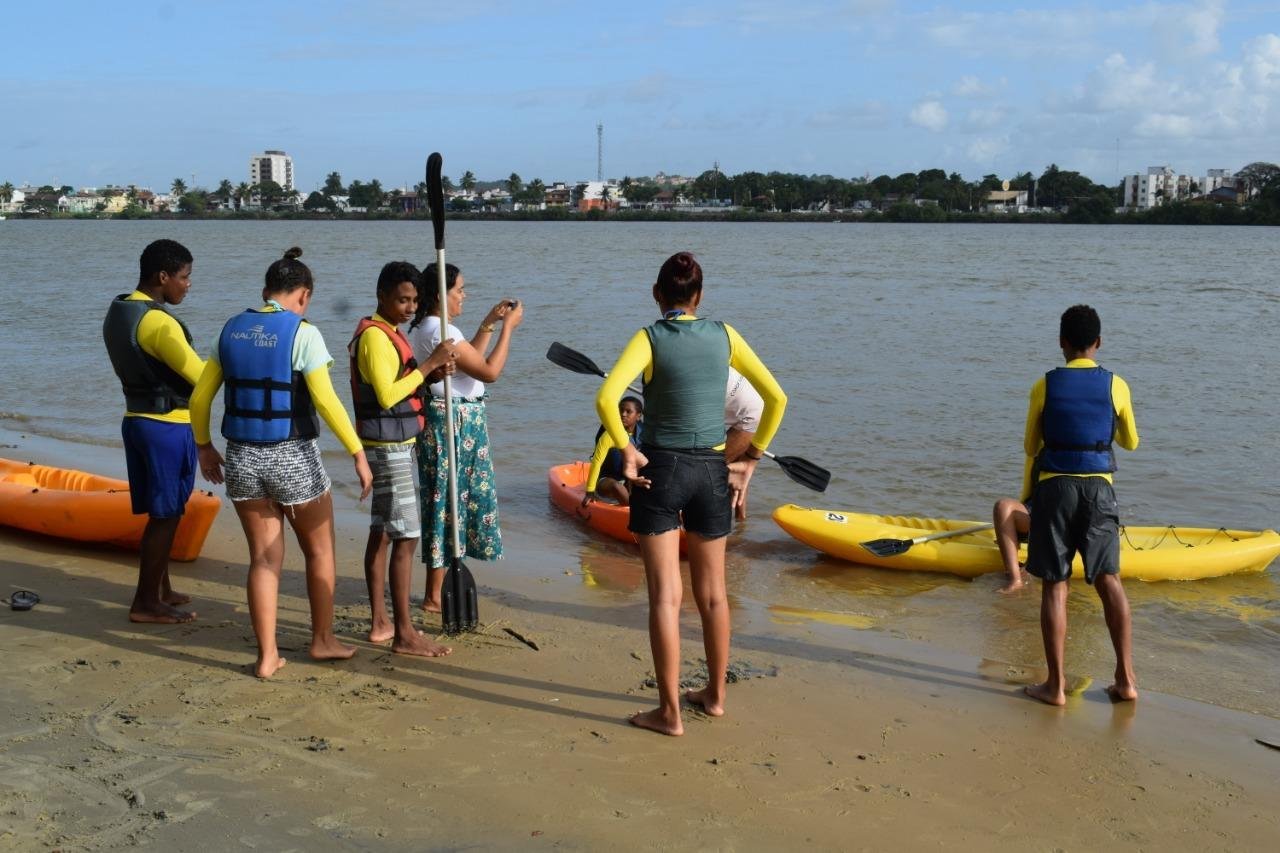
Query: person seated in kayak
column 605, row 477
column 150, row 350
column 743, row 406
column 386, row 389
column 1012, row 520
column 1075, row 415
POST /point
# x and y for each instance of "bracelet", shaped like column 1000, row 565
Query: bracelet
column 486, row 327
column 756, row 458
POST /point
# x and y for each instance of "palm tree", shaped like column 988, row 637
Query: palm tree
column 333, row 185
column 225, row 189
column 468, row 181
column 242, row 192
column 604, row 196
column 179, row 187
column 514, row 185
column 6, row 192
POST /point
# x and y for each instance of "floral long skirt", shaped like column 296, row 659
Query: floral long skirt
column 477, row 493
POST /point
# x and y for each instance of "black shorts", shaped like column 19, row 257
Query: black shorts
column 692, row 485
column 1074, row 514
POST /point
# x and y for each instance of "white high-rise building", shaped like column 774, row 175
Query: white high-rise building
column 1161, row 185
column 272, row 166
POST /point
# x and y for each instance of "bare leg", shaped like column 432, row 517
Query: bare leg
column 435, row 583
column 153, row 568
column 1115, row 607
column 706, row 565
column 313, row 525
column 1053, row 627
column 263, row 524
column 1010, row 518
column 408, row 639
column 375, row 577
column 167, row 593
column 662, row 576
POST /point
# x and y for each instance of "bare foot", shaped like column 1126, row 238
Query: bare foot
column 702, row 698
column 421, row 645
column 657, row 721
column 268, row 666
column 1016, row 583
column 431, row 606
column 1046, row 693
column 381, row 631
column 330, row 649
column 175, row 598
column 1122, row 692
column 161, row 614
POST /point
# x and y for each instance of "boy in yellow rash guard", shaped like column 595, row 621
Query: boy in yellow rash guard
column 151, row 352
column 605, row 474
column 385, row 379
column 1074, row 416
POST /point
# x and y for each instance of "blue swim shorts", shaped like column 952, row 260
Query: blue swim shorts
column 161, row 459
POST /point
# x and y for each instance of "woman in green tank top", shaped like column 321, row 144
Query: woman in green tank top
column 679, row 476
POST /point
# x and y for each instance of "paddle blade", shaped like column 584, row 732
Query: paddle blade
column 805, row 472
column 887, row 547
column 573, row 360
column 435, row 196
column 459, row 605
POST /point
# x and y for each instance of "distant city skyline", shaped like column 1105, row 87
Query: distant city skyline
column 96, row 94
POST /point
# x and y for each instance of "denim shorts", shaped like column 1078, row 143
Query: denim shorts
column 692, row 485
column 1074, row 515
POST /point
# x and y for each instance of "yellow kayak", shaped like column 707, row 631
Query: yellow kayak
column 1146, row 553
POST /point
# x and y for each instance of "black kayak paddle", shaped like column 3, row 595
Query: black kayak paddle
column 894, row 547
column 459, row 610
column 802, row 471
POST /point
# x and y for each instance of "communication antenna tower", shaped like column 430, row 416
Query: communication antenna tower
column 599, row 151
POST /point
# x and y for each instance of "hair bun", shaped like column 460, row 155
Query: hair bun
column 292, row 253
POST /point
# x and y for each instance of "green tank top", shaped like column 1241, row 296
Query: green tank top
column 684, row 399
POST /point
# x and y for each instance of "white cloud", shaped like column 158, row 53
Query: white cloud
column 984, row 118
column 1166, row 126
column 985, row 150
column 969, row 86
column 868, row 114
column 1262, row 61
column 930, row 115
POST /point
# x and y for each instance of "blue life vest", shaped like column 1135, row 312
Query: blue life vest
column 612, row 465
column 1078, row 422
column 266, row 400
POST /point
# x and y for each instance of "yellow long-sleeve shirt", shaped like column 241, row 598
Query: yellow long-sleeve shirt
column 160, row 337
column 637, row 359
column 1126, row 433
column 379, row 364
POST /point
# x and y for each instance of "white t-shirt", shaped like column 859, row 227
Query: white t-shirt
column 424, row 339
column 743, row 405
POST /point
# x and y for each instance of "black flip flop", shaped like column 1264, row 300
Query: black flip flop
column 23, row 599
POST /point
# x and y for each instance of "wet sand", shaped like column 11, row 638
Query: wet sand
column 115, row 735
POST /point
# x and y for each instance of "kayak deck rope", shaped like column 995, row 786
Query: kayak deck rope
column 1173, row 531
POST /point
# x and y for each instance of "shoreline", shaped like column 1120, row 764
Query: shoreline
column 121, row 734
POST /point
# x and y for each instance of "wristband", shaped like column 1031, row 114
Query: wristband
column 757, row 450
column 486, row 327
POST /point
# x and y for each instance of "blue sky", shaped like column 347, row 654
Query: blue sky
column 143, row 92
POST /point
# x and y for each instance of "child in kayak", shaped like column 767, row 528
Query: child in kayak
column 1075, row 414
column 386, row 388
column 679, row 475
column 605, row 477
column 1012, row 520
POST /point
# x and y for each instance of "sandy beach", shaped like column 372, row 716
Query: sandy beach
column 117, row 735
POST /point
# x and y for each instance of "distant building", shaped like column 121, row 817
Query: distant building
column 1161, row 185
column 1006, row 201
column 271, row 166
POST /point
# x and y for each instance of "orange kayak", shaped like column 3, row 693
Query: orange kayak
column 568, row 487
column 88, row 508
